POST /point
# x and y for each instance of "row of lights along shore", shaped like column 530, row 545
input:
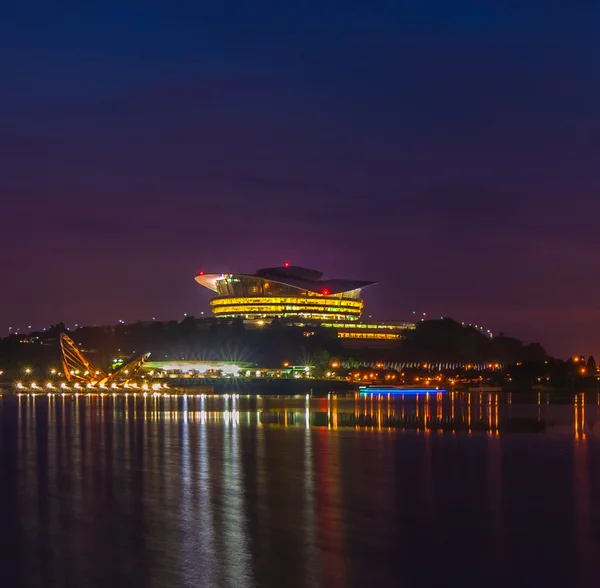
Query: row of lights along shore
column 89, row 386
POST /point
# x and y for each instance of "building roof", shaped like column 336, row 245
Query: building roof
column 294, row 276
column 200, row 366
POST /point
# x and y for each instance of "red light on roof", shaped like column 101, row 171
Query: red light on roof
column 286, row 264
column 325, row 292
column 201, row 273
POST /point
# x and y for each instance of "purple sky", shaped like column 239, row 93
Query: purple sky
column 449, row 151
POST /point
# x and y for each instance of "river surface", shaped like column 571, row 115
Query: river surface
column 160, row 491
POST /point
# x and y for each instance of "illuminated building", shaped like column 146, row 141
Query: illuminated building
column 198, row 368
column 369, row 331
column 299, row 296
column 284, row 292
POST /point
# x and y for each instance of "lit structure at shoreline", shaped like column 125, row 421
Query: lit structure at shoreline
column 206, row 370
column 78, row 370
column 198, row 368
column 300, row 296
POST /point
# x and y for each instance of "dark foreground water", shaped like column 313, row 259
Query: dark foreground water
column 170, row 491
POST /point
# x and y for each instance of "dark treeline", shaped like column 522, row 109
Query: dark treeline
column 212, row 339
column 190, row 339
column 449, row 341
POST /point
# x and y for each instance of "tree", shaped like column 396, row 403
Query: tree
column 56, row 330
column 591, row 365
column 318, row 360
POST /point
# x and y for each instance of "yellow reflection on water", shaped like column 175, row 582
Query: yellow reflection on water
column 469, row 411
column 579, row 416
column 437, row 412
column 583, row 491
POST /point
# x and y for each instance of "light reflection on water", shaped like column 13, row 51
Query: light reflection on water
column 246, row 491
column 453, row 412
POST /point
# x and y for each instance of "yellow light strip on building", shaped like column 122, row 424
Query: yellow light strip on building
column 300, row 300
column 278, row 310
column 386, row 336
column 367, row 327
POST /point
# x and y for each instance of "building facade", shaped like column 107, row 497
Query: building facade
column 299, row 296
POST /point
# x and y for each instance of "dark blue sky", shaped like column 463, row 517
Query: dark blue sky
column 448, row 150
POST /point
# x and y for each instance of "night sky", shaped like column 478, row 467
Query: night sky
column 447, row 150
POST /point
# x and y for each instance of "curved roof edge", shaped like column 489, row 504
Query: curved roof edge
column 334, row 286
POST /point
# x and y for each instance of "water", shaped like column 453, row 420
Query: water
column 470, row 490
